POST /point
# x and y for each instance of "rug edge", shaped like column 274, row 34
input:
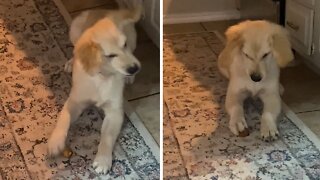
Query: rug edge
column 148, row 139
column 64, row 12
column 301, row 125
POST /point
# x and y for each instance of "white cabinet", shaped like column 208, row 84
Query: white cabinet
column 151, row 20
column 302, row 22
column 307, row 3
column 299, row 23
column 151, row 16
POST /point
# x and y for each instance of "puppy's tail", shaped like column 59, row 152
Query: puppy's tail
column 135, row 13
column 128, row 15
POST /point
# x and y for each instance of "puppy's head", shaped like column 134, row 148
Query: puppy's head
column 103, row 47
column 260, row 44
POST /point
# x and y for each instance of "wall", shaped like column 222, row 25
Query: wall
column 258, row 9
column 182, row 11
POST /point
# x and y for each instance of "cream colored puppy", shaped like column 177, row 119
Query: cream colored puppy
column 254, row 53
column 102, row 59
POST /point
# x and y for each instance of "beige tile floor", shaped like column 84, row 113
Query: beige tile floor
column 302, row 86
column 143, row 95
column 147, row 108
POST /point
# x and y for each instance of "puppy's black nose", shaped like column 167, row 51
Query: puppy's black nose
column 133, row 69
column 255, row 77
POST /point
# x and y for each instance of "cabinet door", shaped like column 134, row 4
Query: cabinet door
column 308, row 3
column 151, row 21
column 151, row 16
column 299, row 23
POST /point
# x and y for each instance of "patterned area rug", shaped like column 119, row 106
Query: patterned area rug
column 198, row 143
column 33, row 87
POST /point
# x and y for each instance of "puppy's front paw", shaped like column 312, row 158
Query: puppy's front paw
column 102, row 164
column 238, row 127
column 56, row 142
column 269, row 131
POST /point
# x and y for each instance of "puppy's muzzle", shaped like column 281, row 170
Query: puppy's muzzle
column 256, row 77
column 133, row 69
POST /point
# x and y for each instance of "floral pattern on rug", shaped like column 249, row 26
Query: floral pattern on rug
column 34, row 46
column 194, row 92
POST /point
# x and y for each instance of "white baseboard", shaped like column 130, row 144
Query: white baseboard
column 200, row 17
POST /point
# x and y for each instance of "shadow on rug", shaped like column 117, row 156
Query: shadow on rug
column 33, row 49
column 200, row 141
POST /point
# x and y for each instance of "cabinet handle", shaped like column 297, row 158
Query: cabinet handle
column 292, row 26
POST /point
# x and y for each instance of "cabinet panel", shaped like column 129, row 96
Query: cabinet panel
column 308, row 3
column 299, row 23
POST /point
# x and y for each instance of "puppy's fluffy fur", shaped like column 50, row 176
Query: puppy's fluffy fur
column 104, row 41
column 254, row 53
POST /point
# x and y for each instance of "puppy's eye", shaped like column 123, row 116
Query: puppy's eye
column 265, row 55
column 125, row 45
column 247, row 56
column 111, row 56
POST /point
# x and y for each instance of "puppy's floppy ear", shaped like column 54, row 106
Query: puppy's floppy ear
column 89, row 54
column 281, row 46
column 234, row 36
column 234, row 41
column 234, row 33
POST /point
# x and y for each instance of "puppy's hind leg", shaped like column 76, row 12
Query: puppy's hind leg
column 234, row 106
column 271, row 111
column 109, row 133
column 70, row 111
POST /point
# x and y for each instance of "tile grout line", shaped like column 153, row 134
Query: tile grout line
column 301, row 112
column 201, row 24
column 141, row 97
